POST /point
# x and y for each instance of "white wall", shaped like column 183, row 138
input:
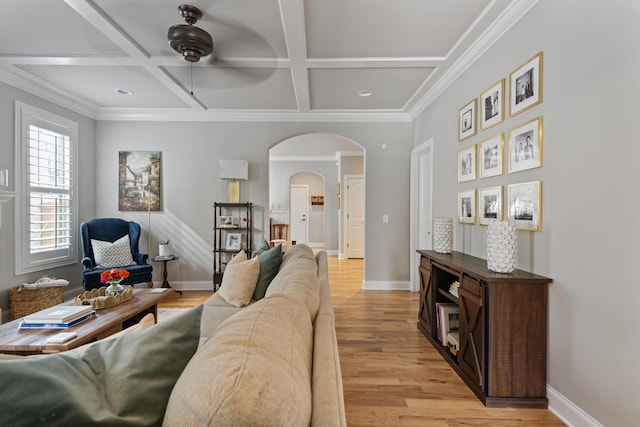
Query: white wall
column 588, row 244
column 86, row 196
column 190, row 151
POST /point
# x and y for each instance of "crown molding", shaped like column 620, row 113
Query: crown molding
column 246, row 116
column 507, row 19
column 42, row 90
column 302, row 158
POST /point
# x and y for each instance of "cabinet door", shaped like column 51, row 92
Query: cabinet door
column 425, row 314
column 472, row 332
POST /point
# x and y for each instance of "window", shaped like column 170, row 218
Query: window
column 46, row 211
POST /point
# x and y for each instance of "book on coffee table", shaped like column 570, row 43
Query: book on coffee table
column 58, row 314
column 61, row 325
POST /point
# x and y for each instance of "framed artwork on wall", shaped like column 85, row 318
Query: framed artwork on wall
column 467, row 120
column 525, row 87
column 525, row 205
column 489, row 204
column 467, row 164
column 492, row 105
column 490, row 152
column 139, row 178
column 467, row 207
column 525, row 146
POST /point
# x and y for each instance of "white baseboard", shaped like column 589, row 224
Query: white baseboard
column 315, row 245
column 383, row 285
column 372, row 285
column 332, row 252
column 569, row 412
column 203, row 285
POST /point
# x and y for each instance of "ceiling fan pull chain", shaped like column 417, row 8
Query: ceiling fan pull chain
column 191, row 69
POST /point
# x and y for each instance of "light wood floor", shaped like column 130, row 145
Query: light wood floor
column 392, row 376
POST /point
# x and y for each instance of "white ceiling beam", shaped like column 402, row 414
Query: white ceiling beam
column 293, row 19
column 96, row 17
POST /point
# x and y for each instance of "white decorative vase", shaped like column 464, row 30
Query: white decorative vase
column 165, row 250
column 502, row 246
column 443, row 235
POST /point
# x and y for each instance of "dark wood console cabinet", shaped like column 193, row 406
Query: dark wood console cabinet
column 502, row 353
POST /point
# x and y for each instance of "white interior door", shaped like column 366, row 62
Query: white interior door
column 421, row 211
column 299, row 213
column 354, row 200
column 424, row 201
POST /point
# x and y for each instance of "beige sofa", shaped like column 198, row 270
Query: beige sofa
column 273, row 362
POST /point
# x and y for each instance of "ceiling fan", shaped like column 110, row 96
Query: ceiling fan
column 194, row 43
column 190, row 41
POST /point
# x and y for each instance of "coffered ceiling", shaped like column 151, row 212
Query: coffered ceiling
column 272, row 60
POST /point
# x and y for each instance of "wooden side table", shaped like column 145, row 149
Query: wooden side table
column 165, row 260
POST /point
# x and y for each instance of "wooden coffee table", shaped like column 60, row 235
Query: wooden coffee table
column 106, row 322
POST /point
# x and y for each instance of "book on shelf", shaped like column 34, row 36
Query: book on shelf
column 58, row 314
column 449, row 320
column 440, row 308
column 61, row 325
column 453, row 289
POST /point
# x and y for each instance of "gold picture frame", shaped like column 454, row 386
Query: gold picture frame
column 489, row 204
column 525, row 146
column 467, row 120
column 492, row 105
column 467, row 164
column 467, row 207
column 525, row 86
column 491, row 156
column 525, row 205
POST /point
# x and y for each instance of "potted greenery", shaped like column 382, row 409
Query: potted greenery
column 165, row 248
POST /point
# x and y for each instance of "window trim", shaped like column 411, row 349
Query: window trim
column 26, row 115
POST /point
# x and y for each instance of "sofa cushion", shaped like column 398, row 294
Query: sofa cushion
column 298, row 277
column 124, row 381
column 239, row 280
column 264, row 246
column 215, row 311
column 255, row 371
column 112, row 254
column 270, row 260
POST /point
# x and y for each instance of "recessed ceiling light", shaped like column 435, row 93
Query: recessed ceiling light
column 124, row 92
column 364, row 93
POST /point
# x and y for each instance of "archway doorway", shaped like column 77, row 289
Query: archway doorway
column 328, row 155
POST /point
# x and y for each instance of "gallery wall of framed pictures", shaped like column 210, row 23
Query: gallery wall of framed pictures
column 486, row 158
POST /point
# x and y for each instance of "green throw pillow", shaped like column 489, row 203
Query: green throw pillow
column 126, row 381
column 269, row 265
column 264, row 246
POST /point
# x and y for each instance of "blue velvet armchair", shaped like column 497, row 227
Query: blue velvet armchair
column 110, row 230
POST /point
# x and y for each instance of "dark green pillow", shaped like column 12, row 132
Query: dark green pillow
column 264, row 246
column 125, row 381
column 269, row 265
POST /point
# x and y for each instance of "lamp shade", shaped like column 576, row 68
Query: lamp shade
column 233, row 169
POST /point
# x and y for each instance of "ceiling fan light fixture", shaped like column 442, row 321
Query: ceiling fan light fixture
column 191, row 42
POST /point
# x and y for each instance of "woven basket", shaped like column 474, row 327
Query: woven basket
column 23, row 302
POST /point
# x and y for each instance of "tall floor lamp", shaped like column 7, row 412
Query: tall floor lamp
column 233, row 171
